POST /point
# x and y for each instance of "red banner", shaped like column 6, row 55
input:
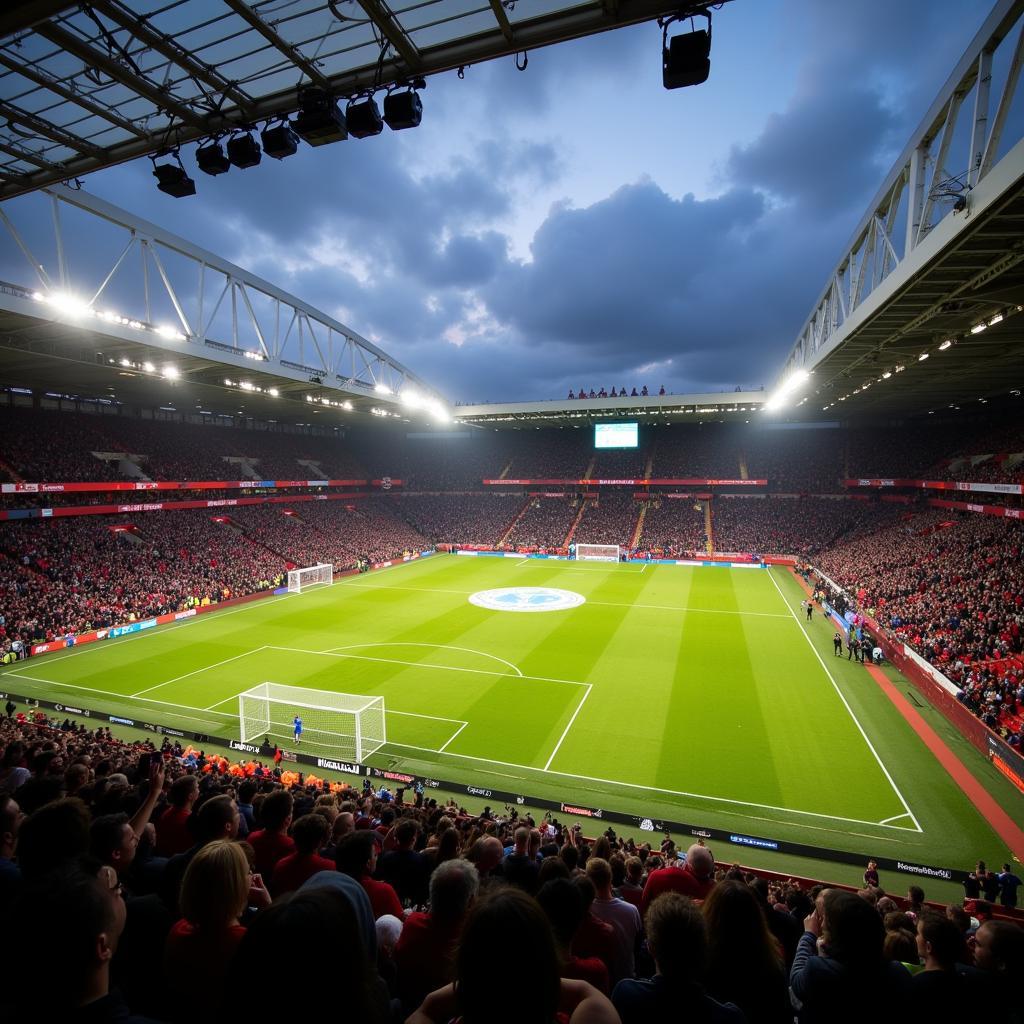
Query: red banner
column 970, row 506
column 688, row 482
column 191, row 485
column 936, row 485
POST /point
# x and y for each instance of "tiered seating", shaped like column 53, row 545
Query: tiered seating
column 545, row 523
column 469, row 519
column 501, row 897
column 611, row 520
column 675, row 526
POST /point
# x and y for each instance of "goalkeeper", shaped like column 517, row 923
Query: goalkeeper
column 297, row 726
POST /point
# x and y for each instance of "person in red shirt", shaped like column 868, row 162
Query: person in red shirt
column 357, row 857
column 425, row 952
column 563, row 904
column 310, row 834
column 216, row 890
column 172, row 832
column 272, row 842
column 696, row 879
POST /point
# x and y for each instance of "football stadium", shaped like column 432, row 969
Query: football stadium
column 629, row 692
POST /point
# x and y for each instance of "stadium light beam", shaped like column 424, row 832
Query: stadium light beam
column 786, row 389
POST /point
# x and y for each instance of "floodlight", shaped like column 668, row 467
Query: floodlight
column 172, row 179
column 685, row 59
column 403, row 110
column 279, row 141
column 244, row 151
column 211, row 159
column 320, row 120
column 363, row 117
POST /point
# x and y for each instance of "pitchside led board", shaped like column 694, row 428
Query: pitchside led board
column 615, row 435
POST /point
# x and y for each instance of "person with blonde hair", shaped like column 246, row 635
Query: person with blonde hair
column 215, row 892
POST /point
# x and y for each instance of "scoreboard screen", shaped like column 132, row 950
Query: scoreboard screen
column 615, row 435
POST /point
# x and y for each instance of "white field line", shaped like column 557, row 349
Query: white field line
column 440, row 647
column 565, row 732
column 196, row 671
column 842, row 697
column 426, row 664
column 446, row 744
column 120, row 696
column 654, row 789
column 895, row 817
column 624, row 567
column 601, row 604
column 435, row 718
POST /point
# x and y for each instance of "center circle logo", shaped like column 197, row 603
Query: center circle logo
column 527, row 599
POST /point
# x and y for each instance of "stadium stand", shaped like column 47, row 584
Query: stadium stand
column 85, row 818
column 610, row 520
column 545, row 524
column 675, row 526
column 468, row 519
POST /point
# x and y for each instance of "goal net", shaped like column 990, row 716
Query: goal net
column 347, row 726
column 312, row 576
column 597, row 552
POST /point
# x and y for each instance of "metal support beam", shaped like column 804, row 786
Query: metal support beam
column 29, row 157
column 94, row 58
column 502, row 19
column 307, row 67
column 392, row 32
column 169, row 48
column 40, row 126
column 56, row 87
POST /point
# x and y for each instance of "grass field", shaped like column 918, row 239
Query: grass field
column 692, row 693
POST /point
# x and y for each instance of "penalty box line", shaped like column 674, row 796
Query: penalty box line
column 846, row 704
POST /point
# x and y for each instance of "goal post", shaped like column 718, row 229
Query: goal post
column 348, row 726
column 597, row 552
column 311, row 576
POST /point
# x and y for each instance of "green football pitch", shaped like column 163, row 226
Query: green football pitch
column 694, row 694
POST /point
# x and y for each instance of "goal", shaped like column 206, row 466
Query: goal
column 597, row 552
column 349, row 726
column 314, row 575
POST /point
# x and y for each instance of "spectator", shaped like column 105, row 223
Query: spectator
column 745, row 961
column 564, row 908
column 425, row 953
column 622, row 916
column 272, row 842
column 172, row 833
column 357, row 858
column 309, row 834
column 939, row 991
column 694, row 879
column 848, row 980
column 507, row 936
column 403, row 868
column 677, row 939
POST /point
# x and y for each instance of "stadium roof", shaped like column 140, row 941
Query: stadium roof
column 86, row 86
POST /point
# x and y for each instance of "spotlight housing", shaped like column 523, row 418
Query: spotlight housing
column 211, row 159
column 686, row 59
column 244, row 151
column 403, row 110
column 279, row 141
column 172, row 179
column 363, row 117
column 320, row 121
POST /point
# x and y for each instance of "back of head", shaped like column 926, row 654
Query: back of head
column 316, row 919
column 853, row 931
column 506, row 938
column 54, row 835
column 940, row 939
column 701, row 862
column 453, row 889
column 406, row 832
column 215, row 886
column 353, row 852
column 737, row 930
column 310, row 832
column 599, row 871
column 58, row 921
column 214, row 818
column 181, row 790
column 900, row 945
column 999, row 947
column 677, row 936
column 563, row 906
column 276, row 809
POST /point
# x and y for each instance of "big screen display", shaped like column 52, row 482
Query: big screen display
column 615, row 435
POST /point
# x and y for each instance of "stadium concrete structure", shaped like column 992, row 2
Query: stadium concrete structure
column 920, row 316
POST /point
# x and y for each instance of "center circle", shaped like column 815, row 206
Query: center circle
column 527, row 599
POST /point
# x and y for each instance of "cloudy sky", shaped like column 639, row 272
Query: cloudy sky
column 576, row 224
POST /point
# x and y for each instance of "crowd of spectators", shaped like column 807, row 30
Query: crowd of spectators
column 952, row 586
column 790, row 526
column 614, row 393
column 609, row 520
column 545, row 524
column 470, row 519
column 674, row 526
column 163, row 882
column 74, row 574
